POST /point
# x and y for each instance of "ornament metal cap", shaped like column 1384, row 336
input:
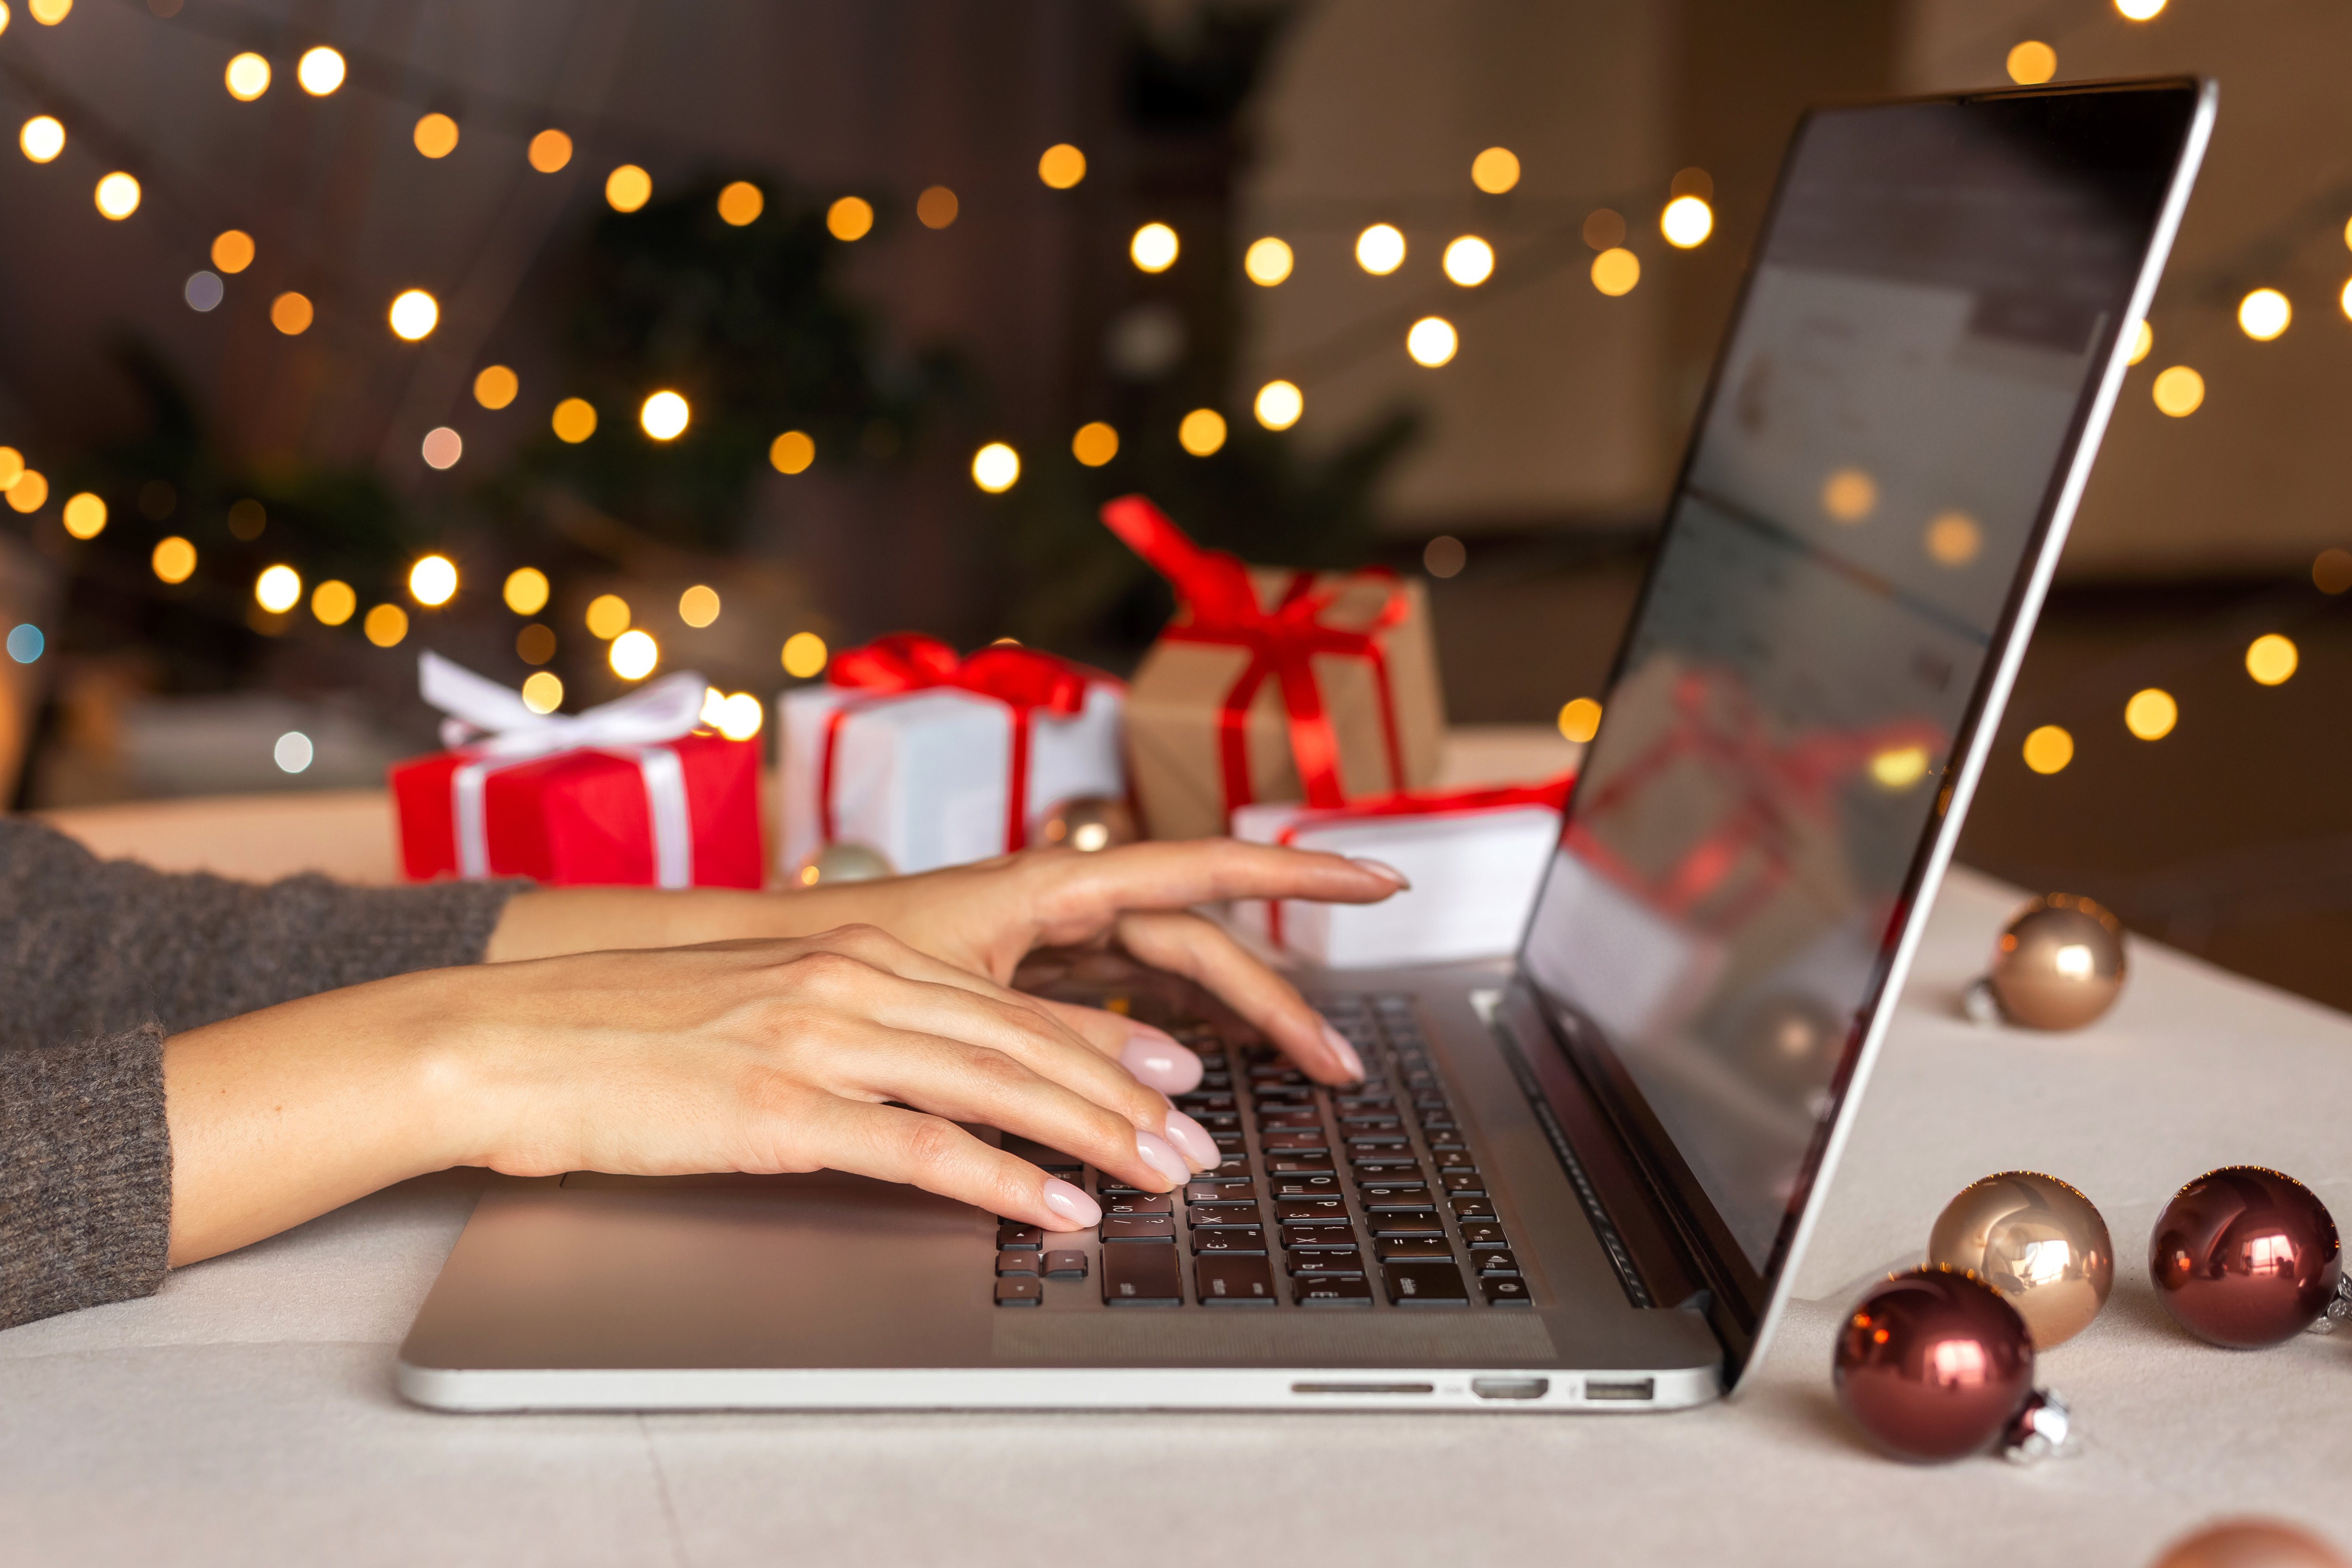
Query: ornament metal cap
column 2043, row 1428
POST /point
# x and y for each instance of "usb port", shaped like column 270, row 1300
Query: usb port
column 1631, row 1390
column 1510, row 1387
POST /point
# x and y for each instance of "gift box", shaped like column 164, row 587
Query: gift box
column 935, row 759
column 632, row 793
column 1273, row 685
column 1475, row 859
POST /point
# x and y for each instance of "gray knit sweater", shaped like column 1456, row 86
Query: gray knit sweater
column 100, row 960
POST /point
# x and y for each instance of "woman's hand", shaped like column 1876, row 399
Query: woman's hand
column 847, row 1050
column 985, row 918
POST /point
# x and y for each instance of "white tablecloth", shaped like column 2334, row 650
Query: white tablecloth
column 247, row 1416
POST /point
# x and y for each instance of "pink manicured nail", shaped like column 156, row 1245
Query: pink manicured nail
column 1192, row 1141
column 1072, row 1205
column 1158, row 1062
column 1382, row 869
column 1345, row 1052
column 1161, row 1156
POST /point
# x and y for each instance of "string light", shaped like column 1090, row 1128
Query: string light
column 43, row 138
column 319, row 71
column 2138, row 10
column 1432, row 342
column 1094, row 444
column 293, row 752
column 535, row 644
column 1380, row 250
column 525, row 591
column 247, row 76
column 2271, row 658
column 26, row 642
column 739, row 717
column 1616, row 270
column 608, row 616
column 49, row 13
column 233, row 250
column 290, row 313
column 995, row 468
column 1279, row 405
column 278, row 589
column 1579, row 719
column 118, row 195
column 1953, row 539
column 664, row 417
column 2178, row 391
column 414, row 315
column 804, row 655
column 1604, row 229
column 173, row 559
column 699, row 605
column 548, row 152
column 542, row 691
column 2151, row 714
column 436, row 135
column 1686, row 222
column 433, row 580
column 385, row 626
column 2049, row 749
column 30, row 490
column 634, row 654
column 937, row 208
column 1154, row 247
column 740, row 204
column 849, row 219
column 2331, row 570
column 1445, row 556
column 1849, row 495
column 2344, row 298
column 496, row 386
column 1469, row 261
column 1201, row 432
column 792, row 452
column 627, row 188
column 1061, row 166
column 204, row 291
column 1494, row 171
column 2031, row 64
column 1899, row 767
column 575, row 421
column 85, row 516
column 2142, row 341
column 333, row 603
column 11, row 467
column 1266, row 262
column 441, row 447
column 2264, row 314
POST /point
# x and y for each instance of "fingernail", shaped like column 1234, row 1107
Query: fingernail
column 1158, row 1062
column 1382, row 869
column 1345, row 1052
column 1192, row 1142
column 1072, row 1204
column 1163, row 1157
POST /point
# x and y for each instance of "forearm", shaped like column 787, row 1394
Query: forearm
column 551, row 922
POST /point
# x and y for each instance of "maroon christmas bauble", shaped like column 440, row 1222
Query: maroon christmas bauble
column 2244, row 1256
column 1933, row 1364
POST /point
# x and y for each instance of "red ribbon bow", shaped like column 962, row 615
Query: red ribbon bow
column 1027, row 682
column 1215, row 593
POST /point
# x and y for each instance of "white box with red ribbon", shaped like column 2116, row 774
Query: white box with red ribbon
column 936, row 758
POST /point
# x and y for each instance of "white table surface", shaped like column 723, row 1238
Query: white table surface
column 246, row 1415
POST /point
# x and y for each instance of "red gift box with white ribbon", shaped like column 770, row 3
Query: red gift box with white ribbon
column 633, row 793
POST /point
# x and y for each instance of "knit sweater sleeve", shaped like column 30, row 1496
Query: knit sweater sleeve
column 98, row 961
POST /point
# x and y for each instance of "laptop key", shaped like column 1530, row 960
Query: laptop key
column 1504, row 1291
column 1213, row 1189
column 1347, row 1260
column 1483, row 1233
column 1494, row 1262
column 1020, row 1292
column 1015, row 1262
column 1066, row 1264
column 1298, row 1163
column 1328, row 1234
column 1315, row 1184
column 1303, row 1116
column 1232, row 1282
column 1424, row 1285
column 1473, row 1208
column 1141, row 1277
column 1323, row 1291
column 1382, row 1201
column 1407, row 1248
column 1029, row 1236
column 1371, row 1140
column 1210, row 1216
column 1408, row 1225
column 1138, row 1203
column 1239, row 1242
column 1463, row 1185
column 1295, row 1140
column 1291, row 1209
column 1139, row 1227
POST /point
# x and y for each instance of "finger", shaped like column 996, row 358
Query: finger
column 1082, row 894
column 928, row 1152
column 1188, row 945
column 1154, row 1055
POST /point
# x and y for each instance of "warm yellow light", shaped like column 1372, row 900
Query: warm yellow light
column 1266, row 262
column 319, row 71
column 634, row 654
column 1380, row 250
column 1849, row 495
column 739, row 717
column 1899, row 767
column 2031, row 64
column 2142, row 341
column 526, row 590
column 550, row 151
column 2271, row 659
column 1615, row 271
column 995, row 467
column 1094, row 444
column 433, row 580
column 43, row 138
column 247, row 77
column 1686, row 222
column 2138, row 10
column 1201, row 432
column 2344, row 298
column 496, row 386
column 664, row 416
column 1062, row 165
column 937, row 208
column 1469, row 261
column 1154, row 247
column 1494, row 171
column 290, row 313
column 740, row 202
column 2151, row 714
column 414, row 315
column 385, row 626
column 233, row 250
column 2178, row 391
column 535, row 644
column 608, row 616
column 792, row 452
column 575, row 421
column 1432, row 342
column 85, row 516
column 850, row 218
column 442, row 446
column 436, row 135
column 627, row 188
column 174, row 559
column 804, row 655
column 699, row 605
column 2049, row 749
column 1279, row 405
column 333, row 602
column 49, row 13
column 1579, row 719
column 278, row 589
column 118, row 195
column 12, row 461
column 1954, row 539
column 2264, row 314
column 31, row 488
column 542, row 691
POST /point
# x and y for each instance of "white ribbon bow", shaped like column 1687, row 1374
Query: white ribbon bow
column 501, row 729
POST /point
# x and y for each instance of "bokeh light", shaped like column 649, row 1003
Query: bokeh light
column 2151, row 713
column 278, row 589
column 333, row 603
column 2178, row 391
column 2031, row 64
column 1686, row 222
column 203, row 290
column 2264, row 315
column 2271, row 658
column 1445, row 556
column 634, row 654
column 1201, row 432
column 117, row 196
column 293, row 753
column 1616, row 270
column 247, row 76
column 414, row 315
column 792, row 452
column 2138, row 10
column 1494, row 171
column 11, row 467
column 2331, row 569
column 85, row 516
column 1579, row 719
column 526, row 590
column 1154, row 247
column 436, row 135
column 1432, row 342
column 2049, row 749
column 441, row 447
column 608, row 616
column 548, row 151
column 741, row 204
column 1899, row 767
column 1469, row 261
column 1380, row 250
column 1849, row 495
column 26, row 642
column 1268, row 261
column 1953, row 539
column 43, row 138
column 850, row 218
column 664, row 417
column 535, row 644
column 496, row 386
column 937, row 208
column 1279, row 404
column 1604, row 228
column 740, row 716
column 49, row 13
column 290, row 313
column 433, row 580
column 542, row 691
column 173, row 559
column 2142, row 341
column 995, row 468
column 319, row 71
column 247, row 519
column 1094, row 444
column 699, row 605
column 804, row 655
column 1061, row 166
column 627, row 188
column 30, row 490
column 385, row 626
column 574, row 420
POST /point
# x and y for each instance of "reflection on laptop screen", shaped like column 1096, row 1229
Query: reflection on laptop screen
column 1928, row 315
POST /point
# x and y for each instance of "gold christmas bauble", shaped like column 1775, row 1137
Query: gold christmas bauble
column 841, row 861
column 1088, row 822
column 2038, row 1242
column 2058, row 965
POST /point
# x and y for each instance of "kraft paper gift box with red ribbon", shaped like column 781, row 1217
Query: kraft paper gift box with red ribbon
column 1474, row 858
column 1273, row 685
column 936, row 758
column 632, row 793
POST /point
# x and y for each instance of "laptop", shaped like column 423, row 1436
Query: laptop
column 1581, row 1179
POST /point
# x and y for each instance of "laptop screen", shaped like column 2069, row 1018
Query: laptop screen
column 1926, row 322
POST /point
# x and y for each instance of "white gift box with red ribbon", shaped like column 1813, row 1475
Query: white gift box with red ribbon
column 1474, row 860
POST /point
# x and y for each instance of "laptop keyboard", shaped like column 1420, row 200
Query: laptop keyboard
column 1369, row 1198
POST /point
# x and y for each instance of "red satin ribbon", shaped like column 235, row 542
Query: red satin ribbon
column 1552, row 793
column 1024, row 680
column 1215, row 590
